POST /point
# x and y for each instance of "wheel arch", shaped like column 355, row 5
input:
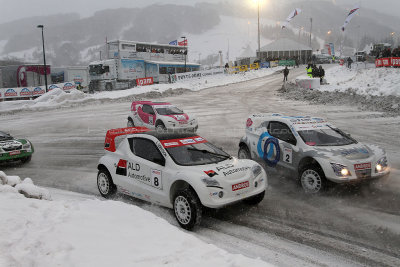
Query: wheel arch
column 308, row 161
column 179, row 185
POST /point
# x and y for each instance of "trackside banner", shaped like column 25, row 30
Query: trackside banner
column 28, row 92
column 195, row 74
column 387, row 62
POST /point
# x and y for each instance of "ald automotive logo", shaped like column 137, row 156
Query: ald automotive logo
column 271, row 151
column 10, row 93
column 68, row 86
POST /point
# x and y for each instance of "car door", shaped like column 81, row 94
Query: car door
column 147, row 115
column 287, row 143
column 146, row 171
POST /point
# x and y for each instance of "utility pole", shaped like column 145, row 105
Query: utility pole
column 310, row 32
column 44, row 57
column 185, row 45
column 259, row 51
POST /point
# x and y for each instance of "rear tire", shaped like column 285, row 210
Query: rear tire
column 105, row 184
column 254, row 200
column 187, row 209
column 313, row 179
column 244, row 152
column 160, row 126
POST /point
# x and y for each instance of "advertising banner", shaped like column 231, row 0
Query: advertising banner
column 265, row 65
column 287, row 63
column 28, row 92
column 144, row 81
column 395, row 61
column 387, row 62
column 195, row 74
column 243, row 68
column 254, row 66
column 274, row 63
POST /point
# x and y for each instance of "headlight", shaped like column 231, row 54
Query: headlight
column 381, row 165
column 210, row 182
column 27, row 146
column 340, row 170
column 256, row 169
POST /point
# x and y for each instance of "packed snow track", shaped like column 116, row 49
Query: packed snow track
column 346, row 226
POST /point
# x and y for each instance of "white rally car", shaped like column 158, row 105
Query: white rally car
column 312, row 150
column 179, row 171
column 161, row 115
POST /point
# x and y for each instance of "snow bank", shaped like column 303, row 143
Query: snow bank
column 26, row 187
column 371, row 81
column 58, row 98
column 74, row 231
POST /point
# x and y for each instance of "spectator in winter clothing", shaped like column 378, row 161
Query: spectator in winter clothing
column 309, row 70
column 349, row 61
column 321, row 73
column 315, row 73
column 285, row 74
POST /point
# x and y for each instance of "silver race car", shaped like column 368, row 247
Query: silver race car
column 312, row 150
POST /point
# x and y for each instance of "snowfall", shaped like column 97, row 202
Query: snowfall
column 49, row 227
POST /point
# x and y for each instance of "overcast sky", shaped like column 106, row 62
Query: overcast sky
column 12, row 10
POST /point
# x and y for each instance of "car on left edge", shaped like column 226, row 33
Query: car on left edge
column 182, row 171
column 12, row 149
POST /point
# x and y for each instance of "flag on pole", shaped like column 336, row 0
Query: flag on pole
column 293, row 14
column 350, row 16
column 174, row 42
column 183, row 43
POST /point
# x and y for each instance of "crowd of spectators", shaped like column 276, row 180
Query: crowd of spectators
column 389, row 52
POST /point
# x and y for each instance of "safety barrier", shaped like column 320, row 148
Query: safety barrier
column 31, row 92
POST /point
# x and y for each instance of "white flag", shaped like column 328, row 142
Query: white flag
column 293, row 14
column 350, row 16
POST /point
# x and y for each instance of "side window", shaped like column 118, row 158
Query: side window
column 148, row 109
column 281, row 131
column 147, row 150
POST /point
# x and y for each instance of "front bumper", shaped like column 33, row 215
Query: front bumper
column 212, row 198
column 11, row 156
column 355, row 179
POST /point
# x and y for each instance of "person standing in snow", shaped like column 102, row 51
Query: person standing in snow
column 309, row 70
column 285, row 74
column 321, row 73
column 349, row 61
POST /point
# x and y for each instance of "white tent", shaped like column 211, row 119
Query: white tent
column 285, row 49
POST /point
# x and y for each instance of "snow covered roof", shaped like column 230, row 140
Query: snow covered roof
column 285, row 44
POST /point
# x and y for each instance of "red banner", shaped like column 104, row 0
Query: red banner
column 387, row 62
column 144, row 81
column 183, row 43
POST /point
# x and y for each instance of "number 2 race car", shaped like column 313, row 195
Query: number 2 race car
column 179, row 171
column 312, row 150
column 14, row 149
column 160, row 115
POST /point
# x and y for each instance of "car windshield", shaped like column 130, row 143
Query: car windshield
column 326, row 137
column 169, row 110
column 4, row 136
column 197, row 154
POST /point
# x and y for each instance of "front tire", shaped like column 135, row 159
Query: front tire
column 26, row 159
column 160, row 126
column 254, row 200
column 313, row 180
column 105, row 184
column 187, row 208
column 244, row 152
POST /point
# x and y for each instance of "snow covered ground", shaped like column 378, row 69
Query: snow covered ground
column 364, row 81
column 79, row 230
column 58, row 98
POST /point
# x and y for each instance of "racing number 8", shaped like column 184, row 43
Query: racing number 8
column 156, row 183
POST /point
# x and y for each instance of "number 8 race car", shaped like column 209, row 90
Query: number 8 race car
column 312, row 150
column 14, row 149
column 160, row 115
column 179, row 171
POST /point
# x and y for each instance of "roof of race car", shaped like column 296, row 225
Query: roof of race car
column 3, row 134
column 168, row 135
column 298, row 122
column 151, row 103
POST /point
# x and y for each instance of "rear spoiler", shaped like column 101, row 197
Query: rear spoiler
column 109, row 143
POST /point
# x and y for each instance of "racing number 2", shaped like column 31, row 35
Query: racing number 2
column 156, row 179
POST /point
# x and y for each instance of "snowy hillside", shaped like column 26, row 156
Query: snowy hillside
column 80, row 230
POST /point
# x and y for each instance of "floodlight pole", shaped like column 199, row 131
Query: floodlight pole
column 44, row 58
